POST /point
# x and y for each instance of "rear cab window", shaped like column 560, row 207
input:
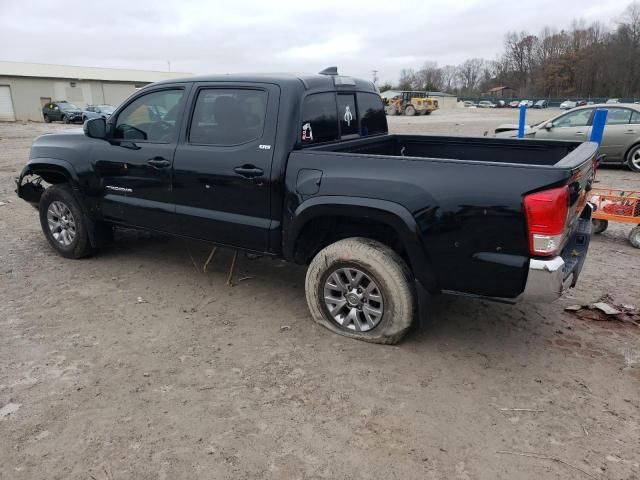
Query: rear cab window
column 332, row 116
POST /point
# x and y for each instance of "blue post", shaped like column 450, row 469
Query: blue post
column 599, row 121
column 523, row 115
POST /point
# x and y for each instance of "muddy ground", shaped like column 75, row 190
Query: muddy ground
column 133, row 365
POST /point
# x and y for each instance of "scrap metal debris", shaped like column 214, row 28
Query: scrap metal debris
column 605, row 309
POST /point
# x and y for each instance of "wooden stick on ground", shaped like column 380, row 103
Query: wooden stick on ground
column 206, row 264
column 233, row 266
column 546, row 457
column 193, row 261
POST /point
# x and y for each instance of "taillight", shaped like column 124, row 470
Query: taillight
column 546, row 214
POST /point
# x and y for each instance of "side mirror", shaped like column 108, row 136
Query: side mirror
column 95, row 128
column 549, row 126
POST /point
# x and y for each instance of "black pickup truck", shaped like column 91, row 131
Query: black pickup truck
column 303, row 167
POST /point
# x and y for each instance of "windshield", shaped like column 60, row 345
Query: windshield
column 68, row 106
column 107, row 108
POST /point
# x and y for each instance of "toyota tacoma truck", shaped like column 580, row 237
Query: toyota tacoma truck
column 303, row 168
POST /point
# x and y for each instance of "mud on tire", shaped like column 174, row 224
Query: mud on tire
column 381, row 266
column 63, row 222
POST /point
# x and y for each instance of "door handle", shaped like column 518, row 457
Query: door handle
column 629, row 132
column 158, row 162
column 248, row 171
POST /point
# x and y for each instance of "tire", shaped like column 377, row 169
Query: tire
column 409, row 111
column 65, row 119
column 63, row 223
column 395, row 300
column 634, row 236
column 599, row 226
column 633, row 158
column 428, row 112
column 47, row 119
column 390, row 110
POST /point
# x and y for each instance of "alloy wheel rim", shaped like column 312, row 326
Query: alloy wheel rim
column 62, row 224
column 635, row 158
column 353, row 299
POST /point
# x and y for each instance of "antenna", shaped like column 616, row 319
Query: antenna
column 329, row 71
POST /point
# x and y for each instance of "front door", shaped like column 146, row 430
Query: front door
column 573, row 126
column 135, row 165
column 222, row 166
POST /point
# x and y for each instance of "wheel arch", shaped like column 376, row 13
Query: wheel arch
column 323, row 212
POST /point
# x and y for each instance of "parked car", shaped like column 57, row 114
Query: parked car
column 500, row 104
column 621, row 140
column 486, row 104
column 303, row 167
column 527, row 103
column 514, row 104
column 61, row 111
column 468, row 103
column 613, row 100
column 581, row 103
column 541, row 104
column 568, row 105
column 97, row 111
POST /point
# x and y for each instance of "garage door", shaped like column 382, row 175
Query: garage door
column 6, row 105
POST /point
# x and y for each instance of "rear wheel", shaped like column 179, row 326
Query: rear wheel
column 634, row 236
column 633, row 158
column 390, row 110
column 360, row 288
column 63, row 223
column 599, row 226
column 47, row 119
column 410, row 111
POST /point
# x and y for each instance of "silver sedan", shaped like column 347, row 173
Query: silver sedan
column 621, row 140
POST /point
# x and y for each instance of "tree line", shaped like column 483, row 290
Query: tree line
column 584, row 61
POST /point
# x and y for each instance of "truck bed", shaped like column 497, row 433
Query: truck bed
column 465, row 194
column 476, row 149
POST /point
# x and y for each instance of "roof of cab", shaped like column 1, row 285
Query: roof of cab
column 308, row 81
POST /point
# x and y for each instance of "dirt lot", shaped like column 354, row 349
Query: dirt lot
column 202, row 380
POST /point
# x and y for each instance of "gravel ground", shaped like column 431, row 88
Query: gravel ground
column 132, row 365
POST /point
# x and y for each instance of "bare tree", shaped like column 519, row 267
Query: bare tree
column 430, row 76
column 469, row 74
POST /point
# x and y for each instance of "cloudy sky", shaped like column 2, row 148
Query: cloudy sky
column 217, row 36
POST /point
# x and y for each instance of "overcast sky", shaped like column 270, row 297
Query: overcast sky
column 213, row 36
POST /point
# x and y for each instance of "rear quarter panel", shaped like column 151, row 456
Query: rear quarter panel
column 468, row 215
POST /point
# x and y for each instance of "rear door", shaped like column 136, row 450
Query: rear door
column 574, row 126
column 618, row 134
column 222, row 167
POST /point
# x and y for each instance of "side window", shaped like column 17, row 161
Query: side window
column 228, row 116
column 152, row 117
column 319, row 118
column 347, row 114
column 618, row 116
column 574, row 119
column 635, row 117
column 373, row 120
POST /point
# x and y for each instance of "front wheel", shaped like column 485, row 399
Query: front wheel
column 409, row 111
column 63, row 223
column 47, row 119
column 633, row 158
column 634, row 236
column 65, row 119
column 360, row 288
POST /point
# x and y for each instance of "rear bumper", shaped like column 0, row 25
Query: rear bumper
column 548, row 279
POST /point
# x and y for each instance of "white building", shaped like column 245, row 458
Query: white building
column 26, row 87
